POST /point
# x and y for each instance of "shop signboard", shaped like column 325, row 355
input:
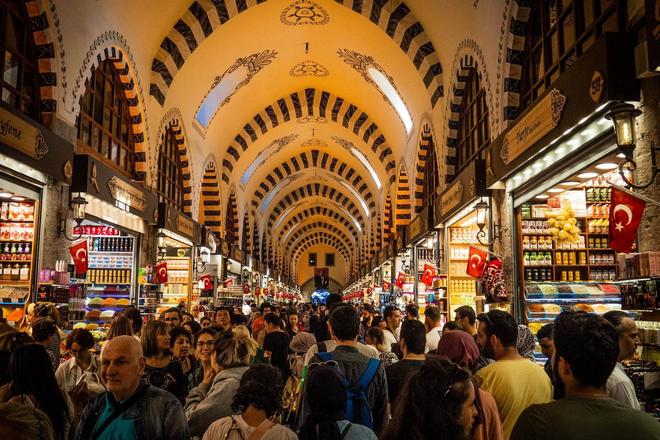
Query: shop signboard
column 224, row 248
column 34, row 145
column 468, row 186
column 175, row 221
column 418, row 226
column 235, row 254
column 95, row 178
column 538, row 122
column 604, row 73
column 652, row 8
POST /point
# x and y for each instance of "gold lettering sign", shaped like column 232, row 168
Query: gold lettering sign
column 127, row 194
column 533, row 126
column 415, row 228
column 22, row 136
column 184, row 225
column 452, row 197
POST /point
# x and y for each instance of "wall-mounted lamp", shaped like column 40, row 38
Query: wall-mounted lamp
column 202, row 259
column 160, row 241
column 482, row 209
column 623, row 117
column 78, row 204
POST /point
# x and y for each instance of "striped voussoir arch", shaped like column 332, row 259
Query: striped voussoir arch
column 316, row 226
column 46, row 63
column 231, row 219
column 309, row 159
column 455, row 107
column 379, row 233
column 425, row 143
column 245, row 232
column 403, row 206
column 303, row 103
column 318, row 238
column 203, row 17
column 317, row 189
column 210, row 199
column 315, row 213
column 388, row 220
column 184, row 162
column 515, row 54
column 254, row 250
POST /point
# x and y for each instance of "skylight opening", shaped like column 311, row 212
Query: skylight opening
column 388, row 90
column 216, row 97
column 357, row 153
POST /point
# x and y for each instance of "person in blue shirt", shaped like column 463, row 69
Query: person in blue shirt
column 130, row 409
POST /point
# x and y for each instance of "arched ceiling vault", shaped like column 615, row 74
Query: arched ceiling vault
column 310, row 210
column 328, row 230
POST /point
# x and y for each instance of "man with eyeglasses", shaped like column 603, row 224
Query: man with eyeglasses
column 515, row 382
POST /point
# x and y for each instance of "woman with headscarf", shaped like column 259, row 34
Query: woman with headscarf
column 327, row 401
column 460, row 348
column 526, row 342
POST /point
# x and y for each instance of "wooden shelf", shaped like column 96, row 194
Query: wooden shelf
column 14, row 283
column 15, row 261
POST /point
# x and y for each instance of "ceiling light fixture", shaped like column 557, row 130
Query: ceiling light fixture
column 607, row 166
column 555, row 190
column 6, row 195
column 569, row 183
column 543, row 196
column 18, row 199
column 587, row 175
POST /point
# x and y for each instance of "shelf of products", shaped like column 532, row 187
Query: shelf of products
column 108, row 284
column 178, row 286
column 17, row 233
column 461, row 288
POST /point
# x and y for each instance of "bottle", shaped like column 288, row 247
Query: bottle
column 24, row 273
column 15, row 272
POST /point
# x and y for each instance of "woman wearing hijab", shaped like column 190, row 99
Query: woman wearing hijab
column 327, row 401
column 460, row 348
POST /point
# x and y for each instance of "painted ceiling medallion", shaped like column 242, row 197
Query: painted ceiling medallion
column 312, row 118
column 239, row 74
column 304, row 12
column 308, row 68
column 314, row 142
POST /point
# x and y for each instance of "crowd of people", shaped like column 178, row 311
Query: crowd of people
column 317, row 372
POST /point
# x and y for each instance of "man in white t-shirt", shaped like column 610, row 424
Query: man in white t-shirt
column 392, row 316
column 433, row 327
column 619, row 386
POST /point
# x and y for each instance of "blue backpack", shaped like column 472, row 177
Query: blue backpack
column 357, row 406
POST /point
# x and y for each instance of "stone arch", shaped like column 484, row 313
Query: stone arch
column 387, row 236
column 403, row 208
column 231, row 220
column 318, row 211
column 423, row 148
column 174, row 122
column 245, row 231
column 312, row 159
column 319, row 225
column 301, row 104
column 46, row 62
column 203, row 18
column 468, row 56
column 111, row 45
column 209, row 206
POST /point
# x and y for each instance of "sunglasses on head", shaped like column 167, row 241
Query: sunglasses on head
column 315, row 365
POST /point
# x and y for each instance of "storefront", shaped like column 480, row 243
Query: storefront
column 459, row 220
column 116, row 222
column 426, row 261
column 230, row 291
column 176, row 236
column 30, row 155
column 557, row 165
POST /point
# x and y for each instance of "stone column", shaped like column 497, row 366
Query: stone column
column 648, row 136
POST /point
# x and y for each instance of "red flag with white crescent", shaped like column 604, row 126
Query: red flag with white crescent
column 400, row 279
column 386, row 285
column 246, row 288
column 625, row 215
column 476, row 262
column 206, row 279
column 228, row 282
column 161, row 272
column 428, row 275
column 79, row 254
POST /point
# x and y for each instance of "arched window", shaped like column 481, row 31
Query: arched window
column 431, row 175
column 170, row 176
column 19, row 81
column 473, row 130
column 105, row 128
column 559, row 32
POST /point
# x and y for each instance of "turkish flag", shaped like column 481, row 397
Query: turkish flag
column 246, row 288
column 625, row 214
column 476, row 262
column 386, row 285
column 428, row 275
column 161, row 272
column 228, row 282
column 257, row 291
column 206, row 279
column 79, row 254
column 400, row 279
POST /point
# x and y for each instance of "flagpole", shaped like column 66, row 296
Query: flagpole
column 486, row 250
column 634, row 194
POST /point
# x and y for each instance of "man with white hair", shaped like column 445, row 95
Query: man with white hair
column 130, row 409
